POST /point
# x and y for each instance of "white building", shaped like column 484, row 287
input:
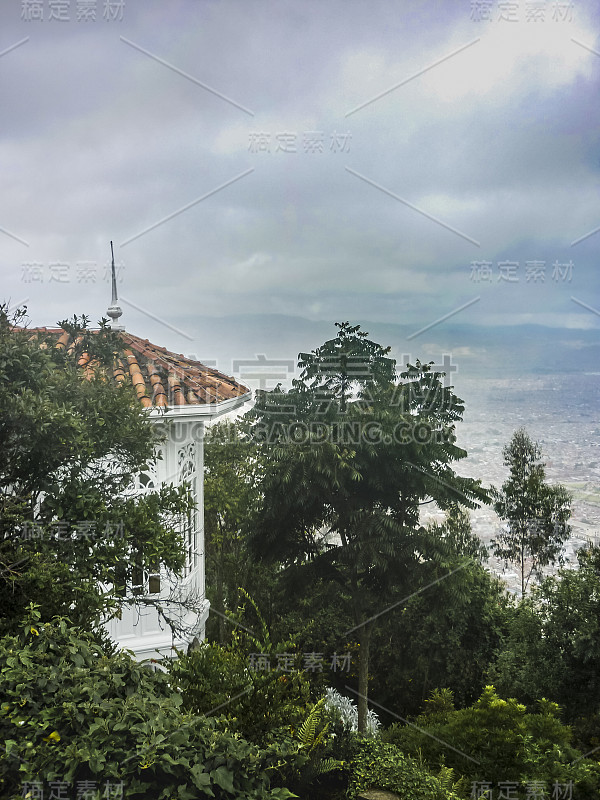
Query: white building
column 181, row 395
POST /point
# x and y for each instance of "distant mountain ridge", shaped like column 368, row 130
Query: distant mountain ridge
column 475, row 350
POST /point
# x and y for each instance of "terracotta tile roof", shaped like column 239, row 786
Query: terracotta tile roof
column 160, row 378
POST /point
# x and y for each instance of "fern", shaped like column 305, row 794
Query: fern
column 310, row 736
column 307, row 732
column 265, row 643
column 328, row 765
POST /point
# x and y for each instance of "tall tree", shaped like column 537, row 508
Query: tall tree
column 536, row 513
column 231, row 495
column 446, row 636
column 69, row 448
column 350, row 454
column 553, row 645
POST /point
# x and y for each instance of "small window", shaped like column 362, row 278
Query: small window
column 137, row 580
column 145, row 581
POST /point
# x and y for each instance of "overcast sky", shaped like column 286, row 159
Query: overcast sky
column 333, row 160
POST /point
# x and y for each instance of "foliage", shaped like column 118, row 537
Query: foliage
column 553, row 646
column 234, row 680
column 348, row 457
column 443, row 625
column 334, row 369
column 536, row 513
column 313, row 736
column 70, row 443
column 497, row 741
column 231, row 494
column 348, row 712
column 264, row 708
column 445, row 628
column 381, row 765
column 262, row 705
column 314, row 475
column 72, row 713
column 218, row 679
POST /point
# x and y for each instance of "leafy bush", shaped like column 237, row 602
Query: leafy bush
column 264, row 706
column 552, row 647
column 381, row 765
column 497, row 741
column 217, row 679
column 72, row 713
column 348, row 712
column 231, row 679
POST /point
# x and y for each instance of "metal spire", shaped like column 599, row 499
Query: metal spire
column 114, row 310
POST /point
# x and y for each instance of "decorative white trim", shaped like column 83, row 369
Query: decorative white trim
column 193, row 411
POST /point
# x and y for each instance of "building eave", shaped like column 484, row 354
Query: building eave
column 193, row 412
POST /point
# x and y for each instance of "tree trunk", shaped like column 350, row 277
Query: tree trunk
column 363, row 676
column 364, row 639
column 220, row 602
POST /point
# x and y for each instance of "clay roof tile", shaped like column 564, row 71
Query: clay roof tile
column 151, row 368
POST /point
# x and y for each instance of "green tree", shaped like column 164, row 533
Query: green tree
column 350, row 455
column 72, row 535
column 231, row 496
column 446, row 622
column 447, row 635
column 536, row 513
column 553, row 646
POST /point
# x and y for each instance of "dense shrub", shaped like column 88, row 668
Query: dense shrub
column 215, row 679
column 265, row 707
column 498, row 742
column 552, row 647
column 70, row 713
column 381, row 765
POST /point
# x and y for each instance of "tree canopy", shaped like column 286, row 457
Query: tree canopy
column 536, row 513
column 72, row 534
column 349, row 457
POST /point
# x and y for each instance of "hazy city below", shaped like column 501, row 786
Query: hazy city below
column 561, row 412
